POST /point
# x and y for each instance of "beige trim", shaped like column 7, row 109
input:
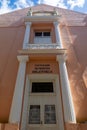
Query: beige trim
column 57, row 33
column 42, row 51
column 59, row 114
column 69, row 112
column 42, row 18
column 15, row 112
column 27, row 34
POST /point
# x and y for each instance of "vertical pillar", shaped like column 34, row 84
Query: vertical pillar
column 27, row 34
column 57, row 34
column 15, row 112
column 25, row 110
column 69, row 114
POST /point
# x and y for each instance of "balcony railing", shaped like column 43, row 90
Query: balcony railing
column 42, row 40
column 41, row 46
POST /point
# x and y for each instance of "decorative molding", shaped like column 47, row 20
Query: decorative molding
column 69, row 112
column 15, row 112
column 42, row 46
column 42, row 51
column 50, row 18
column 28, row 23
column 23, row 58
column 60, row 58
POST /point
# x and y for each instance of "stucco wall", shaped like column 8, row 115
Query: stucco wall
column 70, row 126
column 73, row 30
column 76, row 63
column 9, row 127
column 10, row 42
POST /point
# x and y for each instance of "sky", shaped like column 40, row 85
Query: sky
column 12, row 5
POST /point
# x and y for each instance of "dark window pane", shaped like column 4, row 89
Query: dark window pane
column 34, row 114
column 46, row 33
column 44, row 87
column 50, row 115
column 38, row 34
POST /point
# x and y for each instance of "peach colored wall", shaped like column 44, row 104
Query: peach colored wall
column 10, row 41
column 70, row 126
column 33, row 63
column 9, row 126
column 52, row 65
column 74, row 39
column 71, row 38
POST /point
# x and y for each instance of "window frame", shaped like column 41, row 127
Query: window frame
column 43, row 90
column 42, row 110
column 54, row 87
column 42, row 33
column 30, row 114
column 49, row 113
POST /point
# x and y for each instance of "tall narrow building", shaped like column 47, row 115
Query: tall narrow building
column 43, row 69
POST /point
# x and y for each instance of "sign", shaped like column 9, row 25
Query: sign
column 42, row 68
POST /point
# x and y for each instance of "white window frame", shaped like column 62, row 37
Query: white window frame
column 43, row 93
column 42, row 39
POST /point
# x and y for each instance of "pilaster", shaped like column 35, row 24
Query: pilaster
column 27, row 34
column 15, row 112
column 69, row 113
column 56, row 25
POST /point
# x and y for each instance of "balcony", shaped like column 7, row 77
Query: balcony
column 38, row 48
column 41, row 46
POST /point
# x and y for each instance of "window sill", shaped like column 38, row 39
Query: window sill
column 42, row 94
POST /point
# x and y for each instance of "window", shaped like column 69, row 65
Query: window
column 34, row 114
column 50, row 116
column 42, row 37
column 42, row 34
column 42, row 87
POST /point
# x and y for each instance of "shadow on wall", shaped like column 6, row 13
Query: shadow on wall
column 74, row 39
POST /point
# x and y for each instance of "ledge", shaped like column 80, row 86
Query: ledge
column 42, row 51
column 9, row 126
column 42, row 18
column 77, row 126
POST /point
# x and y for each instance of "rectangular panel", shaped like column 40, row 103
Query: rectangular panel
column 50, row 115
column 34, row 114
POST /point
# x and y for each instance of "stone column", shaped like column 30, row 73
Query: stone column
column 57, row 34
column 27, row 34
column 15, row 112
column 25, row 110
column 69, row 113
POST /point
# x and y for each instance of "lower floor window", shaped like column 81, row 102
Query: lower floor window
column 34, row 114
column 49, row 114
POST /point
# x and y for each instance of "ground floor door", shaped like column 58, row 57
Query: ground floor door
column 44, row 111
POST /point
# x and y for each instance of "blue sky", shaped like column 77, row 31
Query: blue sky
column 11, row 5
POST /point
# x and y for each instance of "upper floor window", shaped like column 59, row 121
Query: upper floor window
column 42, row 37
column 42, row 34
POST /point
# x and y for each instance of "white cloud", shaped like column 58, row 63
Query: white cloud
column 19, row 4
column 59, row 3
column 5, row 6
column 23, row 3
column 73, row 3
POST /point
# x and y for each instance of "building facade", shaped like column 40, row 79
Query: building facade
column 43, row 81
